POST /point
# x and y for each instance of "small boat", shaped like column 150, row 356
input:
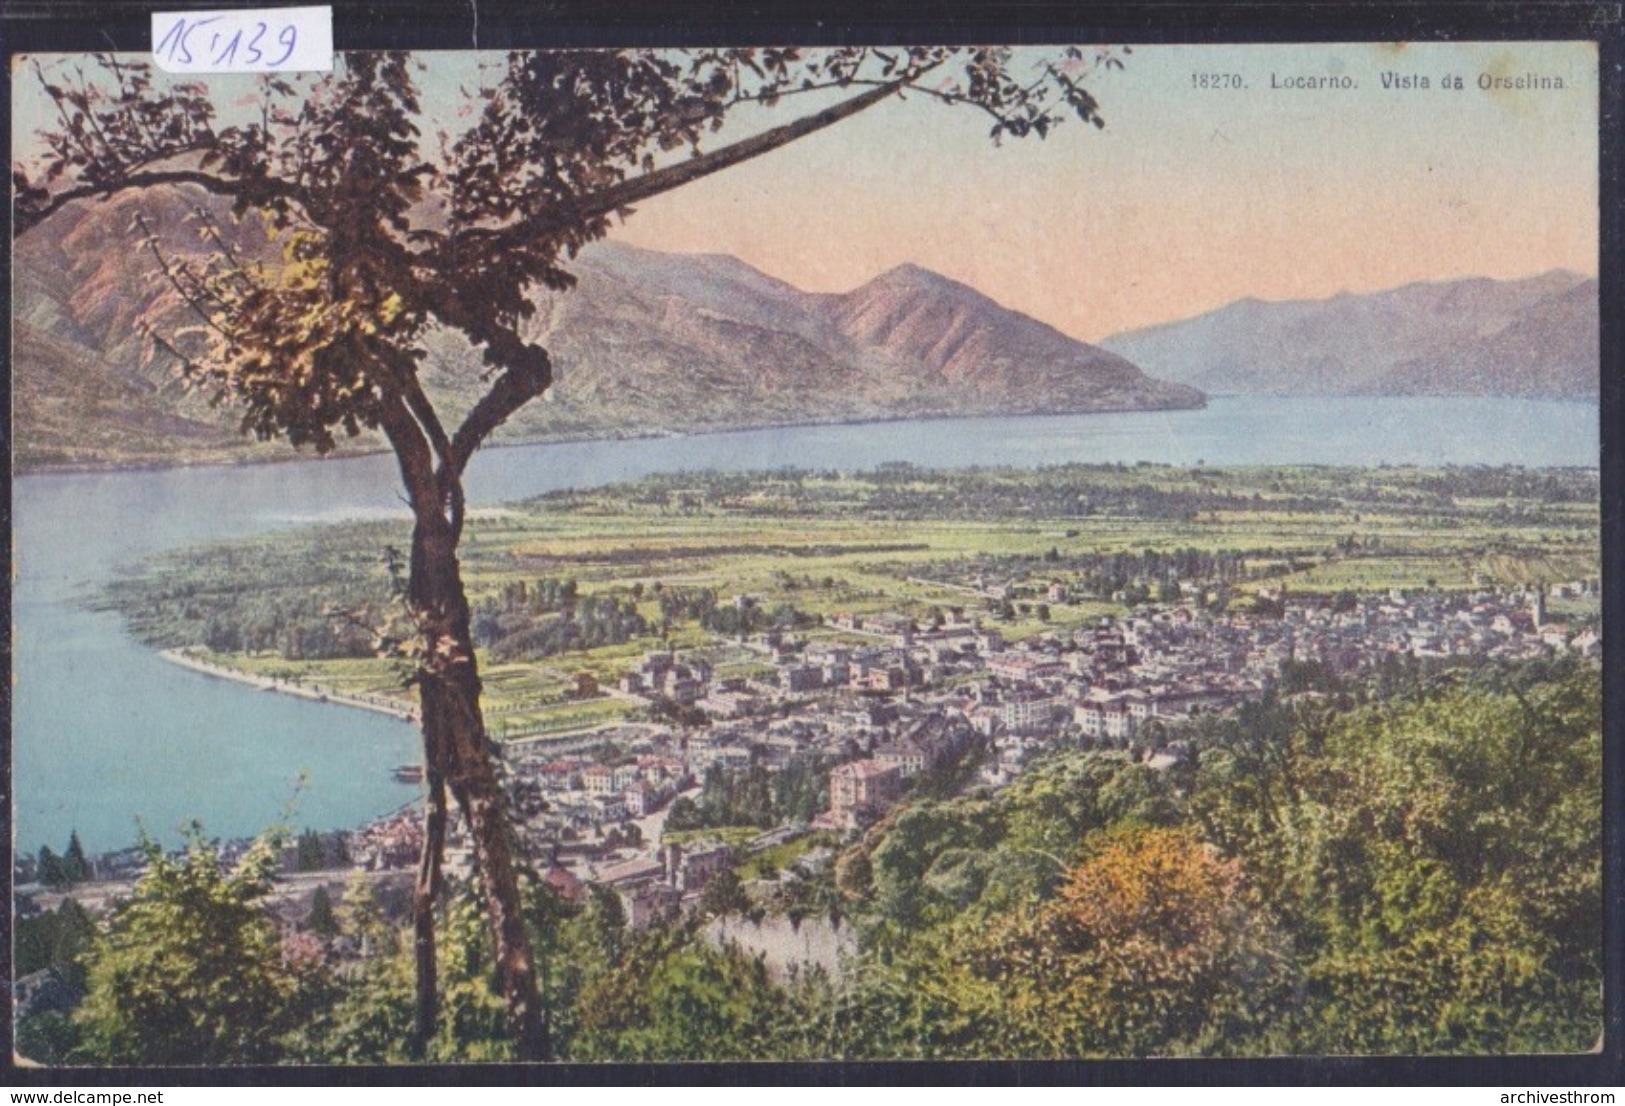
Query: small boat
column 409, row 773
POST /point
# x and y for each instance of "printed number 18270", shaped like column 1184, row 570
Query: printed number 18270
column 1207, row 81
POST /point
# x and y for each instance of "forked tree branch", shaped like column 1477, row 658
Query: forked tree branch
column 527, row 375
column 422, row 410
column 618, row 196
column 412, row 454
column 150, row 240
column 26, row 219
column 528, row 371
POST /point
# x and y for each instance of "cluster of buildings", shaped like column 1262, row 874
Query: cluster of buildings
column 565, row 796
column 393, row 841
column 860, row 790
column 875, row 702
column 882, row 699
column 661, row 884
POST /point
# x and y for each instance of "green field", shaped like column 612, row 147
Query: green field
column 897, row 540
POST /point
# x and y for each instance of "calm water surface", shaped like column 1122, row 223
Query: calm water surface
column 106, row 734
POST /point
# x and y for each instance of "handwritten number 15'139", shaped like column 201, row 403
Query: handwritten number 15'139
column 226, row 47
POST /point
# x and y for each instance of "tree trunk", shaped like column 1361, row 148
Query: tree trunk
column 456, row 744
column 425, row 894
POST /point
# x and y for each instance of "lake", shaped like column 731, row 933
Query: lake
column 105, row 734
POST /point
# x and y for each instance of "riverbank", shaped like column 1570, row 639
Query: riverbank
column 314, row 692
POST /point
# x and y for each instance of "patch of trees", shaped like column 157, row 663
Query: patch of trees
column 670, row 711
column 52, row 938
column 1512, row 482
column 740, row 617
column 1154, row 573
column 314, row 595
column 60, row 872
column 528, row 621
column 1125, row 576
column 1308, row 675
column 190, row 969
column 316, row 852
column 754, row 797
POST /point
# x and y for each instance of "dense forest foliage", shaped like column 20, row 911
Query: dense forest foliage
column 754, row 797
column 312, row 594
column 529, row 621
column 1420, row 874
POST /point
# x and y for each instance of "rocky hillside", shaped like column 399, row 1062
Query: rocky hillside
column 1535, row 337
column 685, row 342
column 81, row 390
column 647, row 343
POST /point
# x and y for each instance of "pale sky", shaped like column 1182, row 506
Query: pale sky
column 1189, row 198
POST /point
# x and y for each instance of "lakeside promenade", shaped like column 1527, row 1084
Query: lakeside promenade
column 378, row 704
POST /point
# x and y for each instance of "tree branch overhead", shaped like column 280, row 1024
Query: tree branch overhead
column 381, row 242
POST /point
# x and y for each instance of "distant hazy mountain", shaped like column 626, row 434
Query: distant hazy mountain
column 646, row 343
column 1532, row 337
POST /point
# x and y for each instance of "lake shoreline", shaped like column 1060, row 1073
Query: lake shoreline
column 27, row 471
column 98, row 733
column 314, row 692
column 629, row 435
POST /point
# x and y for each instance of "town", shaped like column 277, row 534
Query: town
column 861, row 711
column 713, row 696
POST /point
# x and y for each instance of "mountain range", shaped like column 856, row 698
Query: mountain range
column 1533, row 337
column 651, row 343
column 646, row 343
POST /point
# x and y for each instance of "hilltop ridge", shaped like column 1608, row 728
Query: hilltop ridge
column 1533, row 337
column 647, row 343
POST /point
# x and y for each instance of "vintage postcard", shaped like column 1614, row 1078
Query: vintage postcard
column 806, row 554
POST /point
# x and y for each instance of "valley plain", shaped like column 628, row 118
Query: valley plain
column 805, row 548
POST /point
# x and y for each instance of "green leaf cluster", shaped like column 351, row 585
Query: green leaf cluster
column 1420, row 875
column 190, row 969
